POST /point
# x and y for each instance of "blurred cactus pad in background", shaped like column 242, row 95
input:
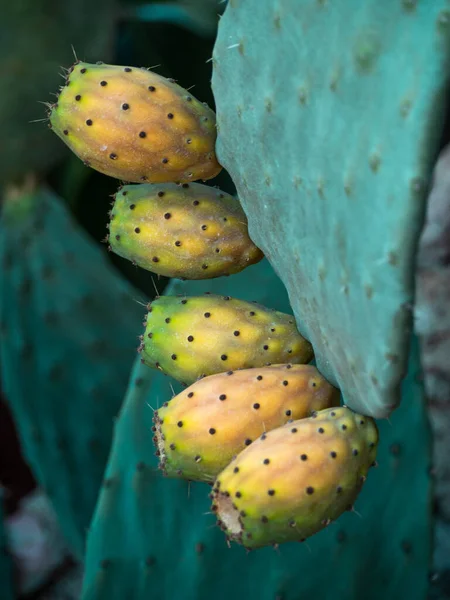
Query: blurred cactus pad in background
column 224, row 291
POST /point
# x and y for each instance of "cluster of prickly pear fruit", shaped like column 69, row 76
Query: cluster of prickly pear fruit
column 135, row 125
column 193, row 337
column 250, row 389
column 203, row 428
column 190, row 231
column 295, row 480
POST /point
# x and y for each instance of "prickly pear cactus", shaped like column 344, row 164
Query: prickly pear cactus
column 199, row 431
column 192, row 337
column 35, row 40
column 297, row 479
column 331, row 147
column 149, row 533
column 68, row 326
column 135, row 125
column 189, row 231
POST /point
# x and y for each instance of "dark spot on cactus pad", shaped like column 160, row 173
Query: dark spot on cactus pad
column 198, row 458
column 127, row 70
column 217, row 250
column 263, row 437
column 229, row 372
column 285, row 382
column 204, row 227
column 170, row 115
column 132, row 206
column 78, row 97
column 303, row 457
column 83, row 70
column 248, row 442
column 204, row 267
column 223, row 357
column 188, row 141
column 333, row 454
column 155, row 259
column 266, row 347
column 190, row 394
column 252, row 313
column 288, row 413
column 142, row 134
column 222, row 397
column 212, row 431
column 113, row 156
column 167, row 319
column 207, row 315
column 344, row 427
column 271, row 492
column 310, row 490
column 174, row 357
column 165, row 161
column 355, row 452
column 184, row 302
column 321, row 430
column 167, row 215
column 151, row 88
column 137, row 230
column 178, row 243
column 190, row 338
column 256, row 405
column 236, row 470
column 294, row 430
column 125, row 106
column 333, row 414
column 89, row 122
column 66, row 132
column 103, row 83
column 259, row 377
column 238, row 494
column 180, row 423
column 172, row 446
column 339, row 489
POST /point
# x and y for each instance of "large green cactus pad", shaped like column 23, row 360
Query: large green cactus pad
column 329, row 117
column 153, row 537
column 68, row 337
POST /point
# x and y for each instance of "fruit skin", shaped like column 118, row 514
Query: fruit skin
column 188, row 231
column 293, row 481
column 132, row 124
column 193, row 337
column 201, row 429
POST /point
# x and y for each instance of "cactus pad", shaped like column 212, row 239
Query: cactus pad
column 68, row 326
column 192, row 337
column 135, row 125
column 343, row 138
column 200, row 431
column 189, row 231
column 295, row 480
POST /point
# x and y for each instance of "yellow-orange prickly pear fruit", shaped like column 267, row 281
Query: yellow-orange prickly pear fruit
column 199, row 431
column 135, row 125
column 189, row 230
column 293, row 481
column 193, row 337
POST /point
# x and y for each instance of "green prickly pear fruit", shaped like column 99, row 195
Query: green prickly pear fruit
column 189, row 231
column 201, row 429
column 135, row 125
column 293, row 481
column 189, row 338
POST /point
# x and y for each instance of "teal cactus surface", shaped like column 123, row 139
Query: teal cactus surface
column 329, row 118
column 68, row 338
column 154, row 537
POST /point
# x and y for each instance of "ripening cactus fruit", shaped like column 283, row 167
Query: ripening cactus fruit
column 201, row 429
column 135, row 125
column 293, row 481
column 189, row 231
column 193, row 337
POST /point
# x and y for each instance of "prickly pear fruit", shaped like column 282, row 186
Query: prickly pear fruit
column 192, row 337
column 135, row 125
column 190, row 231
column 201, row 429
column 293, row 481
